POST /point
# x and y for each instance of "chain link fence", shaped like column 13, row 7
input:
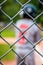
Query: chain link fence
column 12, row 23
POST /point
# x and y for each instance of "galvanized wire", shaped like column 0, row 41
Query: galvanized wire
column 11, row 23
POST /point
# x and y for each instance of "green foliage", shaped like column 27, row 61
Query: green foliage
column 11, row 7
column 1, row 1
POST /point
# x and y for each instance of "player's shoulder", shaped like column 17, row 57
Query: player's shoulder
column 35, row 27
column 24, row 20
column 19, row 22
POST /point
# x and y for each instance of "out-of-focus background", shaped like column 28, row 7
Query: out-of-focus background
column 9, row 9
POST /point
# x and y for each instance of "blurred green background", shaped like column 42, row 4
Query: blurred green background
column 11, row 7
column 3, row 49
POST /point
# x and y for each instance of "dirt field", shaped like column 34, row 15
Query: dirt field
column 38, row 58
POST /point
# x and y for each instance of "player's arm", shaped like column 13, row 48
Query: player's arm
column 37, row 36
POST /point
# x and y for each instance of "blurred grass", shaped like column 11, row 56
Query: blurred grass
column 9, row 32
column 41, row 33
column 3, row 49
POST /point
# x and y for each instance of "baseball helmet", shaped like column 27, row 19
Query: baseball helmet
column 29, row 9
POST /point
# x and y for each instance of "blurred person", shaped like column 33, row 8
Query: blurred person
column 32, row 34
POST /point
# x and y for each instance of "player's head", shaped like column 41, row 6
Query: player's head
column 28, row 9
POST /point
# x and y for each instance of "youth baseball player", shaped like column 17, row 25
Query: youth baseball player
column 32, row 34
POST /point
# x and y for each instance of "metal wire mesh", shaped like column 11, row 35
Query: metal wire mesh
column 12, row 23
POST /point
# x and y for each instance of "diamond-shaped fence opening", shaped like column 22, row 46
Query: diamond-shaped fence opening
column 11, row 35
column 39, row 19
column 13, row 8
column 11, row 11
